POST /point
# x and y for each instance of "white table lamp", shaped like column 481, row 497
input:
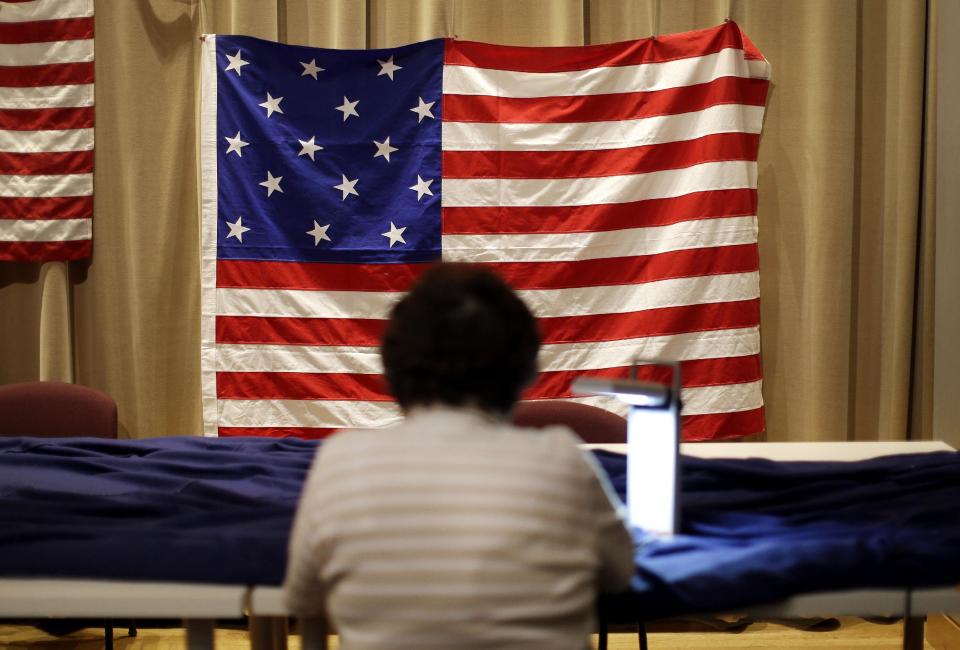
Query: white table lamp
column 653, row 446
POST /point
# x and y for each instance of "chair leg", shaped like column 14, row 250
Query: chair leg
column 601, row 635
column 108, row 635
column 642, row 636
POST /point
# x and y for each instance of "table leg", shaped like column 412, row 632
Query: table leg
column 199, row 633
column 281, row 629
column 313, row 633
column 268, row 632
column 913, row 632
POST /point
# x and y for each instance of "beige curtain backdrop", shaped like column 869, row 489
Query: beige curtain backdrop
column 845, row 238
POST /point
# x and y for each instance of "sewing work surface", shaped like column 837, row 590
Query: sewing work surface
column 207, row 510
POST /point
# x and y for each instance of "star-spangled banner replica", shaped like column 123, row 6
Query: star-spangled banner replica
column 613, row 186
column 46, row 130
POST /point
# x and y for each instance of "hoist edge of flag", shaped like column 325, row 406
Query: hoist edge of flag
column 208, row 235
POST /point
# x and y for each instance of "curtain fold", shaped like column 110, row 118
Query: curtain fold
column 846, row 251
column 921, row 393
column 136, row 307
column 56, row 323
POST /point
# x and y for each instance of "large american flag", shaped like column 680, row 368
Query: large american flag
column 46, row 129
column 613, row 186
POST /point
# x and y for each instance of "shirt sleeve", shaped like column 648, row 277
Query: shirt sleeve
column 303, row 592
column 615, row 547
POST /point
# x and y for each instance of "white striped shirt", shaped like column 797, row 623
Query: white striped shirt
column 450, row 530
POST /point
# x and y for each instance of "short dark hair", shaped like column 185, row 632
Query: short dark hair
column 460, row 337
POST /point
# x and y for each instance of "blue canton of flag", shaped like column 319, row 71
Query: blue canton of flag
column 328, row 155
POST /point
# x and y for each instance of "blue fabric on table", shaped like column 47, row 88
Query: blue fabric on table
column 179, row 509
column 219, row 511
column 756, row 531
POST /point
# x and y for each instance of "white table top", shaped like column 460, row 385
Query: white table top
column 41, row 597
column 843, row 451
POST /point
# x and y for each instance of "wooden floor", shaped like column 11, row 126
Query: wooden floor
column 852, row 633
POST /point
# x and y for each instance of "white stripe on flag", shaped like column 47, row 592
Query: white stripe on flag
column 557, row 247
column 644, row 77
column 712, row 344
column 305, row 303
column 44, row 141
column 573, row 136
column 669, row 183
column 61, row 185
column 29, row 54
column 307, row 413
column 71, row 96
column 722, row 398
column 625, row 298
column 45, row 230
column 673, row 292
column 24, row 12
column 700, row 400
column 248, row 357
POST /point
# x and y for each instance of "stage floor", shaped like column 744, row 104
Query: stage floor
column 852, row 633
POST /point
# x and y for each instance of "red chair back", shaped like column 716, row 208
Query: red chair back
column 56, row 409
column 593, row 424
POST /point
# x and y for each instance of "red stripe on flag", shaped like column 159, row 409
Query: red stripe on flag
column 60, row 207
column 714, row 426
column 307, row 433
column 548, row 385
column 519, row 275
column 667, row 47
column 31, row 251
column 46, row 118
column 566, row 329
column 46, row 31
column 604, row 108
column 600, row 162
column 651, row 322
column 300, row 331
column 721, row 426
column 696, row 373
column 316, row 275
column 592, row 218
column 302, row 385
column 52, row 74
column 630, row 270
column 59, row 162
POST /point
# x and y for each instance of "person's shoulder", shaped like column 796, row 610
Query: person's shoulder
column 562, row 436
column 554, row 441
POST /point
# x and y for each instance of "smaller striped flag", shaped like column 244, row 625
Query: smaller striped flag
column 46, row 129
